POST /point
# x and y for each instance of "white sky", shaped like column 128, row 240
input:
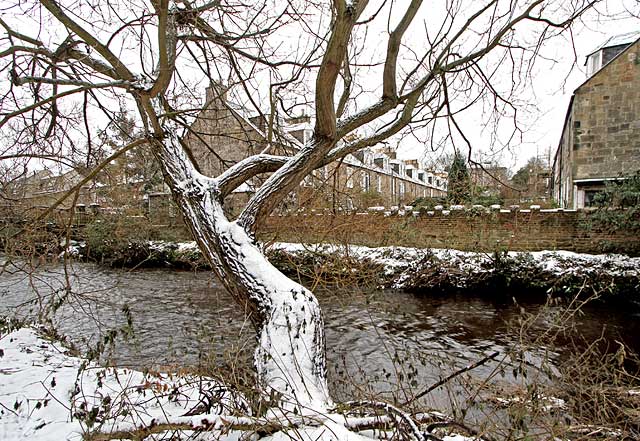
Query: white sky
column 553, row 86
column 546, row 100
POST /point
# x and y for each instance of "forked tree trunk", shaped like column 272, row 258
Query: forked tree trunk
column 290, row 358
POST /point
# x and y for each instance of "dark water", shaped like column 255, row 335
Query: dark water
column 382, row 342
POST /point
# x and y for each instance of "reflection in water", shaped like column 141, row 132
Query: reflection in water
column 183, row 318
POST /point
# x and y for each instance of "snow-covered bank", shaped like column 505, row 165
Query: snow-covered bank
column 421, row 270
column 48, row 394
column 442, row 270
column 395, row 259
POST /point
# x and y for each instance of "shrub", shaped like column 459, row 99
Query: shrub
column 428, row 203
column 618, row 206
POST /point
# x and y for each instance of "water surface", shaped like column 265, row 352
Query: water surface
column 384, row 341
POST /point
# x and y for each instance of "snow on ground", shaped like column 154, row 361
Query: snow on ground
column 403, row 261
column 46, row 394
column 403, row 256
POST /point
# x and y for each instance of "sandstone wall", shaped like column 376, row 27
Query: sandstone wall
column 517, row 230
column 606, row 120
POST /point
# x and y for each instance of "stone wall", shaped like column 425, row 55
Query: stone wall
column 606, row 120
column 601, row 136
column 473, row 230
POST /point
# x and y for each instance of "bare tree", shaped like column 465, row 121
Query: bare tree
column 73, row 65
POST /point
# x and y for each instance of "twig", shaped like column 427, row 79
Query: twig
column 397, row 414
column 451, row 377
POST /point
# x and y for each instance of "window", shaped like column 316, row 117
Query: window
column 349, row 204
column 594, row 63
column 349, row 177
column 590, row 197
column 402, row 188
column 365, row 181
column 379, row 186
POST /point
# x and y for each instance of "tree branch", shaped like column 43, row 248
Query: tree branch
column 41, row 103
column 123, row 72
column 242, row 171
column 389, row 87
column 167, row 39
column 346, row 17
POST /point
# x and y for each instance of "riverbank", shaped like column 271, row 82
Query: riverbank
column 611, row 277
column 339, row 262
column 47, row 393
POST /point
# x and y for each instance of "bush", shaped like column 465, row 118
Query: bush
column 121, row 239
column 618, row 206
column 429, row 203
column 487, row 200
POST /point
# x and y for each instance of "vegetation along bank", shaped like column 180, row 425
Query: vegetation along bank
column 557, row 273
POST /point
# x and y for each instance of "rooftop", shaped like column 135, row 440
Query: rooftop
column 618, row 40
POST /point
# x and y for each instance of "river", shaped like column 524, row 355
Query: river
column 383, row 342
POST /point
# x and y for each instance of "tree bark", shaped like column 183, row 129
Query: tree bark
column 290, row 357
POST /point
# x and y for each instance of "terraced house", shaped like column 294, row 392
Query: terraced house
column 224, row 133
column 600, row 141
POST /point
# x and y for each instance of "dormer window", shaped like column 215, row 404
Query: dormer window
column 609, row 50
column 594, row 63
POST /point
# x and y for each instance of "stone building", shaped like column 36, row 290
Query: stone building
column 41, row 188
column 224, row 134
column 118, row 188
column 601, row 136
column 489, row 179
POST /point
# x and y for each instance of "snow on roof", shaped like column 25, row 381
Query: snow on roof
column 297, row 126
column 618, row 40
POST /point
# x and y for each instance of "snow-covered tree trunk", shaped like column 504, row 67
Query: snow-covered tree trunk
column 290, row 356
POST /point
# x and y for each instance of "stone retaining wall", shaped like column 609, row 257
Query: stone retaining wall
column 459, row 228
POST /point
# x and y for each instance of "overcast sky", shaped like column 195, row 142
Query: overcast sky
column 554, row 83
column 556, row 75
